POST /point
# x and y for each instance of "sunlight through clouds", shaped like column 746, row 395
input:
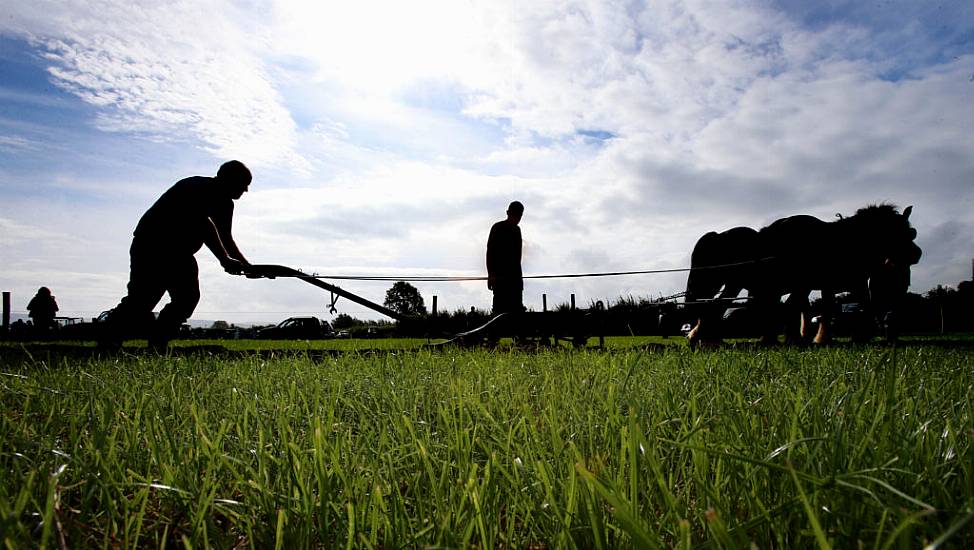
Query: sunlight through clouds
column 377, row 47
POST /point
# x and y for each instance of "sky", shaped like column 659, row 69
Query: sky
column 386, row 137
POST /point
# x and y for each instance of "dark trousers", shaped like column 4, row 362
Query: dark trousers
column 150, row 277
column 508, row 297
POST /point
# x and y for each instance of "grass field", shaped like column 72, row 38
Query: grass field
column 653, row 447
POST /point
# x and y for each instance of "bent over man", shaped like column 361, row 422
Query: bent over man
column 195, row 211
column 504, row 262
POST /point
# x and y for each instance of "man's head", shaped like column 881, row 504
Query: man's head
column 514, row 212
column 234, row 177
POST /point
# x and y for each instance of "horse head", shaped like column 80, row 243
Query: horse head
column 903, row 251
column 886, row 236
column 898, row 252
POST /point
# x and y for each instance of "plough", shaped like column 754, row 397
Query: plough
column 529, row 328
column 273, row 271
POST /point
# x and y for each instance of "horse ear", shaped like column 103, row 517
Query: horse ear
column 907, row 212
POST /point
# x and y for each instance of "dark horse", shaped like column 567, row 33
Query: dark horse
column 868, row 254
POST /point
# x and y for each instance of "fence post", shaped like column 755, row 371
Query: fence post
column 573, row 301
column 544, row 302
column 6, row 311
column 434, row 305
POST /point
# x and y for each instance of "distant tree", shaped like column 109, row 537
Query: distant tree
column 941, row 293
column 220, row 325
column 404, row 298
column 344, row 321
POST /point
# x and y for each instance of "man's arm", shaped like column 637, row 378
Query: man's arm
column 231, row 247
column 212, row 240
column 491, row 257
column 223, row 221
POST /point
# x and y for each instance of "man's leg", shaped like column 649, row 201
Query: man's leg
column 184, row 294
column 508, row 298
column 497, row 306
column 133, row 315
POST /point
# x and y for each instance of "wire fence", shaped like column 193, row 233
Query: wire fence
column 462, row 278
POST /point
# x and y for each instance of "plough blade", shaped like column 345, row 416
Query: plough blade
column 272, row 271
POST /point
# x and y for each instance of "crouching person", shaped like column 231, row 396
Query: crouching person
column 195, row 211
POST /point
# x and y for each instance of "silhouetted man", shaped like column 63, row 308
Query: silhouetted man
column 504, row 262
column 42, row 309
column 193, row 212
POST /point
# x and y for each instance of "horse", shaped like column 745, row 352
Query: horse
column 868, row 254
column 721, row 266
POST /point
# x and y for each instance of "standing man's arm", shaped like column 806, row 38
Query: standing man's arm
column 491, row 258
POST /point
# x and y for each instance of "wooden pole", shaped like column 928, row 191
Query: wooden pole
column 434, row 305
column 544, row 302
column 573, row 301
column 6, row 311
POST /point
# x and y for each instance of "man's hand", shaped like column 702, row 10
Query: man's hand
column 233, row 266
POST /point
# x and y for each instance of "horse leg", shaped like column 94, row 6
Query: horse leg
column 767, row 315
column 864, row 327
column 699, row 332
column 796, row 307
column 706, row 330
column 694, row 336
column 824, row 334
column 707, row 327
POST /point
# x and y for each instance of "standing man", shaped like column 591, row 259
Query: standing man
column 195, row 211
column 504, row 262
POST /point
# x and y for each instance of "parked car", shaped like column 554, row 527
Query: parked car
column 298, row 328
column 78, row 329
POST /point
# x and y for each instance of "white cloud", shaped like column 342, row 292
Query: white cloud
column 183, row 71
column 17, row 144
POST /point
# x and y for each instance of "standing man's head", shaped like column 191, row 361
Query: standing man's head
column 514, row 212
column 234, row 177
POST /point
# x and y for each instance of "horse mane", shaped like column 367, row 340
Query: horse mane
column 863, row 233
column 867, row 214
column 882, row 209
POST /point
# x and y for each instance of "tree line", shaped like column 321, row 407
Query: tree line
column 940, row 310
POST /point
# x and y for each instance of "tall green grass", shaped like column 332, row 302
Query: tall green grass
column 854, row 447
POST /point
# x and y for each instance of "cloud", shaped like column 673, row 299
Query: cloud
column 182, row 71
column 17, row 144
column 616, row 67
column 947, row 254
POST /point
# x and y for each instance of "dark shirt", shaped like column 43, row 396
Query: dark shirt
column 504, row 252
column 177, row 222
column 42, row 309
